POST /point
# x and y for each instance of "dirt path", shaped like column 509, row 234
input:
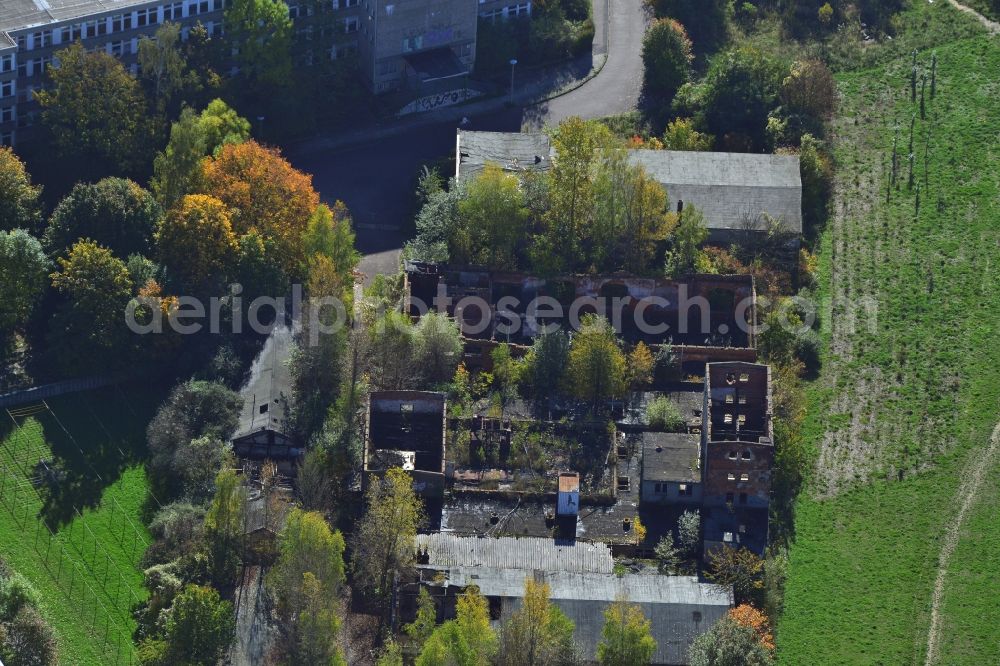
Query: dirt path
column 992, row 26
column 967, row 492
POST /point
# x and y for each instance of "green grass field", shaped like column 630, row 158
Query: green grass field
column 901, row 411
column 86, row 568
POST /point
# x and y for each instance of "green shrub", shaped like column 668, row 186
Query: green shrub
column 662, row 414
column 16, row 593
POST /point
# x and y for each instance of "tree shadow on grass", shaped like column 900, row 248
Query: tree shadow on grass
column 94, row 437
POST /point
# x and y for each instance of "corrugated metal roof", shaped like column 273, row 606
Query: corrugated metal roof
column 269, row 386
column 724, row 186
column 679, row 607
column 448, row 550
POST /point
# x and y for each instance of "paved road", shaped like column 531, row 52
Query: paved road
column 377, row 179
column 616, row 88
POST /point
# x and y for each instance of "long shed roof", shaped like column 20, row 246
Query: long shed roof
column 449, row 550
column 724, row 186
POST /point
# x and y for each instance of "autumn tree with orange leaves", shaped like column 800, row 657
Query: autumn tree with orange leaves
column 746, row 615
column 196, row 241
column 264, row 193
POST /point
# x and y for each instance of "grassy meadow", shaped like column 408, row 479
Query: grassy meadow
column 905, row 403
column 78, row 535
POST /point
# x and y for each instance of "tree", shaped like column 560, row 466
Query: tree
column 682, row 135
column 640, row 367
column 685, row 253
column 115, row 212
column 468, row 640
column 200, row 627
column 437, row 346
column 706, row 21
column 306, row 582
column 740, row 90
column 667, row 555
column 329, row 234
column 738, row 567
column 424, row 623
column 162, row 63
column 20, row 207
column 392, row 655
column 746, row 615
column 666, row 57
column 385, row 537
column 224, row 523
column 538, row 633
column 596, row 367
column 195, row 241
column 24, row 275
column 689, row 533
column 626, row 640
column 816, row 169
column 195, row 464
column 630, row 215
column 265, row 193
column 391, row 348
column 809, row 89
column 728, row 643
column 507, row 373
column 194, row 409
column 88, row 331
column 493, row 215
column 547, row 361
column 193, row 136
column 438, row 222
column 94, row 111
column 316, row 628
column 261, row 33
column 566, row 224
column 28, row 639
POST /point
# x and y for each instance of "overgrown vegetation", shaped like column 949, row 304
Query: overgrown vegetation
column 902, row 407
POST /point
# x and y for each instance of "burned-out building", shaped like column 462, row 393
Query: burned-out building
column 738, row 438
column 703, row 317
column 408, row 429
column 738, row 450
column 263, row 431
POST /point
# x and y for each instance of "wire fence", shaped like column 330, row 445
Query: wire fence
column 76, row 554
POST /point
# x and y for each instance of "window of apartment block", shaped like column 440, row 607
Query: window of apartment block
column 518, row 10
column 351, row 3
column 6, row 114
column 116, row 48
column 145, row 17
column 6, row 138
column 293, row 11
column 42, row 38
column 7, row 63
column 351, row 24
column 7, row 89
column 174, row 12
column 70, row 33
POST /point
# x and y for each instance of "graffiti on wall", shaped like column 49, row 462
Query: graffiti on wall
column 439, row 100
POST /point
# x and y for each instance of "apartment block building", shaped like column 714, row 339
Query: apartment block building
column 31, row 31
column 407, row 44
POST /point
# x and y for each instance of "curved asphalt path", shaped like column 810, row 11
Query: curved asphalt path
column 377, row 178
column 615, row 89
